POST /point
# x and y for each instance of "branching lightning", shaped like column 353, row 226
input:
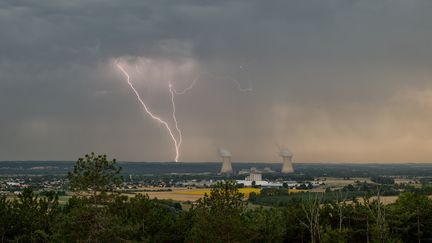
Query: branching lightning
column 240, row 87
column 184, row 91
column 154, row 117
column 174, row 116
column 174, row 92
column 174, row 131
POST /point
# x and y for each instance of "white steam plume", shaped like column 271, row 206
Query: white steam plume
column 224, row 153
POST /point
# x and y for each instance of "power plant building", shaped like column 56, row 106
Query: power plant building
column 254, row 177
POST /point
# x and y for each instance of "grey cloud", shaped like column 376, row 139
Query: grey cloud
column 321, row 71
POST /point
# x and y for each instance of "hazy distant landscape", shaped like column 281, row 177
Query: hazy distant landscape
column 155, row 168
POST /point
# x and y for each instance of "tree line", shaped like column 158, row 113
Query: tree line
column 98, row 213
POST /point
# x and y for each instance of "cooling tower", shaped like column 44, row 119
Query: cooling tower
column 226, row 161
column 287, row 157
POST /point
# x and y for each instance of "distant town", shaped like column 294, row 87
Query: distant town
column 166, row 180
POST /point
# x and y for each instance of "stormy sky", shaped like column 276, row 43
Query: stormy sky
column 333, row 81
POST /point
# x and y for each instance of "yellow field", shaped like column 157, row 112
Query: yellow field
column 245, row 191
column 177, row 194
column 201, row 192
column 297, row 190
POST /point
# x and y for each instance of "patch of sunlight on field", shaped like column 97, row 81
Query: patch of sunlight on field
column 297, row 190
column 247, row 191
column 196, row 192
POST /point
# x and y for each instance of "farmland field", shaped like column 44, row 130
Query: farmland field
column 184, row 194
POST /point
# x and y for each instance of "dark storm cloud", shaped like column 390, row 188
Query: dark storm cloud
column 333, row 80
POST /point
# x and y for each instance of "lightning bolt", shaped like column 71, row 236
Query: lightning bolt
column 222, row 77
column 154, row 117
column 240, row 88
column 175, row 133
column 174, row 92
column 235, row 81
column 184, row 91
column 174, row 116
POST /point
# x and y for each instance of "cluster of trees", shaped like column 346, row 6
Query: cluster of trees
column 383, row 180
column 98, row 214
